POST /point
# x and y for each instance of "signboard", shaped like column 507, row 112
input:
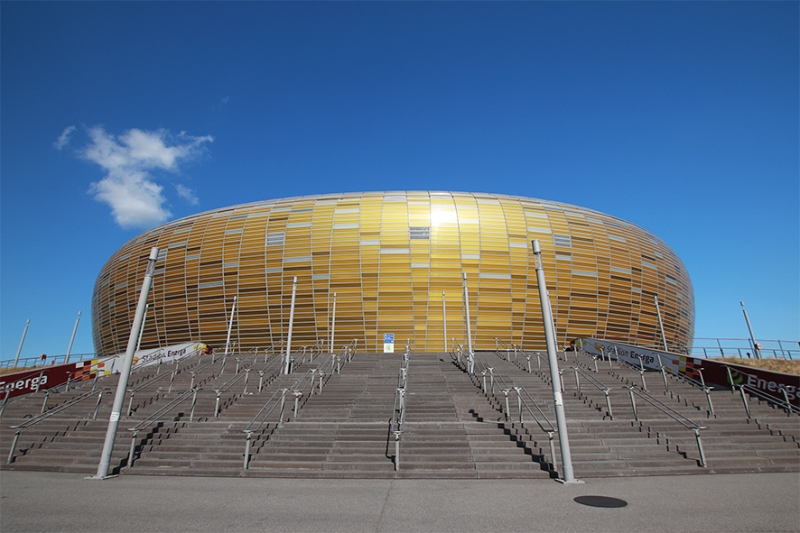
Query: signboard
column 388, row 343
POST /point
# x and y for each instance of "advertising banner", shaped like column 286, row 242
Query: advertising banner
column 36, row 379
column 715, row 372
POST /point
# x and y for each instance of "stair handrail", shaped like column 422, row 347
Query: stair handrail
column 596, row 384
column 784, row 404
column 398, row 421
column 47, row 414
column 682, row 419
column 261, row 417
column 154, row 417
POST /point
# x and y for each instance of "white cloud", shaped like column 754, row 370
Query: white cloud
column 64, row 138
column 187, row 194
column 129, row 186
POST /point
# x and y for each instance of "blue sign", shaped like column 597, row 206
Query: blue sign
column 388, row 338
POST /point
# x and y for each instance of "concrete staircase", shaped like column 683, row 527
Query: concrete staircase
column 453, row 429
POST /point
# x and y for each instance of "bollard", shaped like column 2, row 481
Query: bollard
column 608, row 404
column 700, row 447
column 97, row 405
column 194, row 402
column 247, row 450
column 13, row 447
column 744, row 399
column 132, row 450
column 633, row 404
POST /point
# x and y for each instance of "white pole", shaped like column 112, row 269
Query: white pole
column 21, row 342
column 466, row 304
column 333, row 321
column 558, row 400
column 661, row 324
column 756, row 351
column 141, row 330
column 119, row 396
column 444, row 320
column 291, row 323
column 72, row 339
column 230, row 326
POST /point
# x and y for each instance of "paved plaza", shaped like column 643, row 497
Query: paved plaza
column 39, row 501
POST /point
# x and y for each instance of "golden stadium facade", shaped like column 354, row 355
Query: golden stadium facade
column 396, row 262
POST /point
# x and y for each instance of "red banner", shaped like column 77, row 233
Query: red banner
column 37, row 379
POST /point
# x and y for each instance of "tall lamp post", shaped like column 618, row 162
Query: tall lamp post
column 555, row 378
column 756, row 350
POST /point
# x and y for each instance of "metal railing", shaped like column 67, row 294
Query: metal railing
column 671, row 413
column 51, row 412
column 743, row 348
column 398, row 421
column 150, row 420
column 594, row 382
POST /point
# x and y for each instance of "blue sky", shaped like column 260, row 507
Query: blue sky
column 680, row 117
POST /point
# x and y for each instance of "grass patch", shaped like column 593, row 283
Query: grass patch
column 774, row 365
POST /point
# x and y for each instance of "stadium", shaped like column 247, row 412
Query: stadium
column 368, row 264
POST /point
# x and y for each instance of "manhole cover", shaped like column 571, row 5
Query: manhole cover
column 601, row 501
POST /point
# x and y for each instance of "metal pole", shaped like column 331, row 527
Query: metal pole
column 230, row 326
column 756, row 351
column 119, row 397
column 660, row 324
column 72, row 339
column 333, row 318
column 444, row 320
column 21, row 342
column 286, row 369
column 466, row 306
column 141, row 329
column 558, row 401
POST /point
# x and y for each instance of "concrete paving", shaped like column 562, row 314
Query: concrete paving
column 44, row 501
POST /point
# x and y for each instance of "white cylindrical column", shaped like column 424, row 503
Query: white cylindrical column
column 291, row 323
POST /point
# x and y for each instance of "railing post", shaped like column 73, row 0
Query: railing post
column 194, row 402
column 5, row 401
column 786, row 399
column 13, row 447
column 171, row 379
column 539, row 363
column 191, row 386
column 633, row 404
column 216, row 407
column 297, row 395
column 483, row 374
column 700, row 448
column 130, row 402
column 491, row 378
column 744, row 399
column 594, row 359
column 577, row 382
column 132, row 450
column 261, row 381
column 97, row 405
column 321, row 375
column 561, row 379
column 44, row 403
column 528, row 357
column 552, row 451
column 730, row 380
column 283, row 406
column 608, row 404
column 663, row 372
column 519, row 403
column 505, row 393
column 247, row 450
column 246, row 377
column 397, row 449
column 708, row 397
column 236, row 372
column 313, row 375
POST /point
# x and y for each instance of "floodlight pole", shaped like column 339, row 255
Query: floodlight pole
column 756, row 351
column 291, row 323
column 72, row 339
column 21, row 342
column 555, row 378
column 122, row 384
column 466, row 305
column 661, row 324
column 230, row 326
column 333, row 321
